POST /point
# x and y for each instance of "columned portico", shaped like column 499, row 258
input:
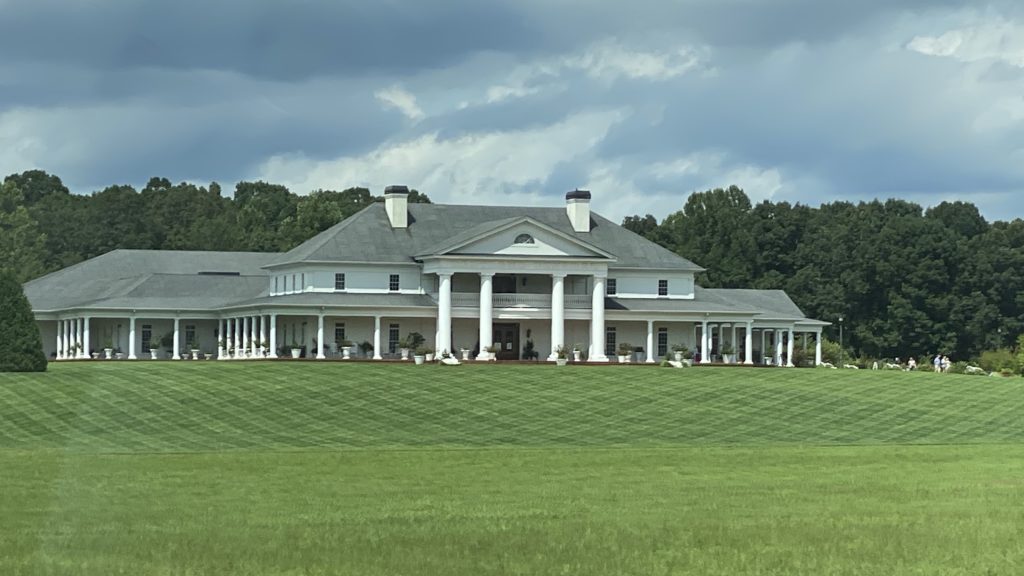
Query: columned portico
column 557, row 314
column 486, row 314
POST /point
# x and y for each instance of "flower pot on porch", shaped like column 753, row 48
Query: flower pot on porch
column 465, row 353
column 108, row 353
column 296, row 352
column 195, row 353
column 678, row 356
column 623, row 358
column 429, row 357
column 561, row 361
column 346, row 352
column 418, row 359
column 153, row 352
column 577, row 355
column 404, row 352
column 728, row 358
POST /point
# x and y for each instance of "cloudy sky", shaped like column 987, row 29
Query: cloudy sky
column 510, row 102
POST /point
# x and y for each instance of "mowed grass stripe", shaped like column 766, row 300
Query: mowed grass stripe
column 222, row 406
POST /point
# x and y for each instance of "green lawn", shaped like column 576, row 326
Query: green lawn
column 305, row 468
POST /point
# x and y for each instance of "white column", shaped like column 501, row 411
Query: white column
column 131, row 339
column 273, row 336
column 245, row 335
column 73, row 338
column 735, row 345
column 650, row 342
column 250, row 325
column 763, row 351
column 176, row 349
column 60, row 339
column 221, row 339
column 817, row 348
column 78, row 337
column 597, row 321
column 789, row 349
column 229, row 337
column 778, row 347
column 376, row 339
column 263, row 334
column 557, row 314
column 69, row 339
column 85, row 339
column 486, row 314
column 320, row 337
column 750, row 344
column 705, row 344
column 444, row 312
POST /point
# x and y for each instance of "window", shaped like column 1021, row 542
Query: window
column 275, row 284
column 392, row 338
column 190, row 334
column 524, row 239
column 339, row 332
column 393, row 283
column 147, row 336
column 293, row 282
column 610, row 287
column 662, row 341
column 302, row 287
column 662, row 287
column 339, row 281
column 609, row 341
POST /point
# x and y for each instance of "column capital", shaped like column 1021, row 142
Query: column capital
column 444, row 274
column 559, row 275
column 487, row 274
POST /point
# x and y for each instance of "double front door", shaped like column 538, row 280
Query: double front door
column 506, row 338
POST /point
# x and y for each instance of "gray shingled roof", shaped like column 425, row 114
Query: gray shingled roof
column 316, row 299
column 152, row 279
column 368, row 236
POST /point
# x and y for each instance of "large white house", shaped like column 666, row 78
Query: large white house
column 465, row 277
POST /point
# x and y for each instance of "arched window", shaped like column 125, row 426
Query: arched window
column 524, row 239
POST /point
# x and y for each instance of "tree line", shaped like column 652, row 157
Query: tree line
column 905, row 280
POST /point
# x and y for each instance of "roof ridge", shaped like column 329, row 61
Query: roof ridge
column 327, row 234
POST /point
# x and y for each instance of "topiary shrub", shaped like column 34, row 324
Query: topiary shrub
column 21, row 348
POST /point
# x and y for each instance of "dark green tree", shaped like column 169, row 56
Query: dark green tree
column 22, row 349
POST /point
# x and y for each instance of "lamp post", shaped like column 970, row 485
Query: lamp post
column 840, row 341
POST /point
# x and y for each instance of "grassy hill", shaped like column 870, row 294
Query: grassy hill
column 205, row 406
column 198, row 468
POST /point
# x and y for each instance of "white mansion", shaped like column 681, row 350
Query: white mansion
column 516, row 280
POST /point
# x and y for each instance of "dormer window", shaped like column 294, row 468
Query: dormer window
column 662, row 287
column 524, row 239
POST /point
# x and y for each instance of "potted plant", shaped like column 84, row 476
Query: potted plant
column 428, row 354
column 528, row 351
column 167, row 341
column 419, row 355
column 194, row 348
column 728, row 353
column 414, row 340
column 154, row 351
column 346, row 348
column 264, row 346
column 561, row 356
column 465, row 353
column 492, row 352
column 403, row 349
column 678, row 350
column 577, row 352
column 108, row 348
column 625, row 352
column 365, row 347
column 296, row 350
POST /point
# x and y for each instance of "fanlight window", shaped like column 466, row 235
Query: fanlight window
column 524, row 239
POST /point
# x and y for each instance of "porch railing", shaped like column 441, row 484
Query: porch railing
column 472, row 300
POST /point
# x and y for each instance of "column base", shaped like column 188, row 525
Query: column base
column 321, row 357
column 601, row 358
column 748, row 363
column 132, row 357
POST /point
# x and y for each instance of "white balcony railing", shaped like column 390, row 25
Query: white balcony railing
column 472, row 300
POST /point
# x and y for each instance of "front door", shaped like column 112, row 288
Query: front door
column 506, row 338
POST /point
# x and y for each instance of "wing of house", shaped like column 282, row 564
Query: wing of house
column 513, row 279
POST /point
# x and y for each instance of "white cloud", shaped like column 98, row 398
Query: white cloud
column 612, row 60
column 490, row 167
column 402, row 100
column 996, row 40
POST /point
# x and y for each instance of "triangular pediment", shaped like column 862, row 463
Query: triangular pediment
column 520, row 237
